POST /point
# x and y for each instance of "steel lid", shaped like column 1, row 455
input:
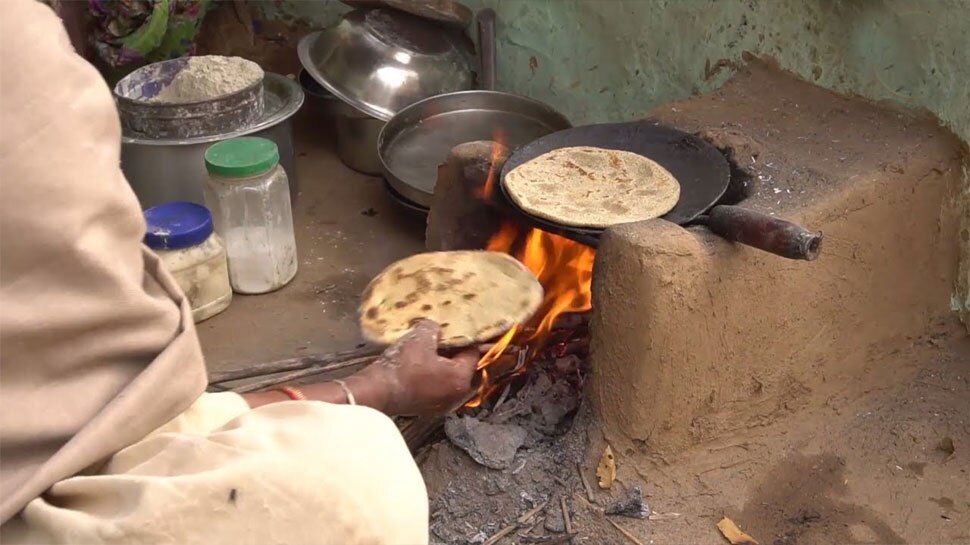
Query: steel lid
column 380, row 61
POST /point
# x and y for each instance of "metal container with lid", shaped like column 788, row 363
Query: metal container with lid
column 142, row 116
column 164, row 170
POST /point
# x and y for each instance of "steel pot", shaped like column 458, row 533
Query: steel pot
column 162, row 171
column 356, row 131
column 319, row 101
column 357, row 135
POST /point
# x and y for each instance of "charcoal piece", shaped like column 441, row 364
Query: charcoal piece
column 632, row 506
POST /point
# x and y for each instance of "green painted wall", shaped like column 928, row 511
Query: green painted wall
column 601, row 60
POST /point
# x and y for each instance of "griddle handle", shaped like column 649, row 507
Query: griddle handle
column 486, row 48
column 764, row 232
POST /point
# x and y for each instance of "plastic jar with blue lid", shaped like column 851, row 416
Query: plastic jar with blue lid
column 182, row 235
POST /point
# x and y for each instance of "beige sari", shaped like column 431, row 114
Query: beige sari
column 98, row 351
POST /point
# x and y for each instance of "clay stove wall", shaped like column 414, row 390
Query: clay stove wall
column 694, row 337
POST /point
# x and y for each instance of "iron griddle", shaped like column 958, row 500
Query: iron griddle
column 700, row 168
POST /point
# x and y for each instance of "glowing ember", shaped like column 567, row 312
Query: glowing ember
column 565, row 270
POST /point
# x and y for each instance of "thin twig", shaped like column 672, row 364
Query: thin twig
column 628, row 535
column 550, row 540
column 501, row 533
column 508, row 387
column 531, row 513
column 501, row 398
column 515, row 525
column 663, row 516
column 302, row 373
column 586, row 486
column 565, row 515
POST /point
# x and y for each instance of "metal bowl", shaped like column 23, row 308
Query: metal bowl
column 380, row 61
column 419, row 137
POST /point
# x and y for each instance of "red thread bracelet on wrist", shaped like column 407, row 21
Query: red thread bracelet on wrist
column 292, row 393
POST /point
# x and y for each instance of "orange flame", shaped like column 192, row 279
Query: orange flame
column 562, row 266
column 488, row 189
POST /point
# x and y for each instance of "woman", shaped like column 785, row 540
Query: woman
column 105, row 433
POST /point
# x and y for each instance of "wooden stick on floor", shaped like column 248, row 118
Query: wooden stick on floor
column 294, row 376
column 292, row 364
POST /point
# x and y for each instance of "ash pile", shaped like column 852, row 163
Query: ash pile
column 508, row 464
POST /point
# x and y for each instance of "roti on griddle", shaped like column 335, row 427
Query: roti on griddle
column 473, row 295
column 592, row 187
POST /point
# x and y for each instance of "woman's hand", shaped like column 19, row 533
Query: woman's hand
column 409, row 378
column 417, row 379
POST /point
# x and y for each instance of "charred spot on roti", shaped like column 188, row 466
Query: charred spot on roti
column 400, row 304
column 371, row 313
column 426, row 307
column 446, row 302
column 445, row 324
column 468, row 296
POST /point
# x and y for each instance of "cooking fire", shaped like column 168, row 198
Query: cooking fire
column 563, row 267
column 565, row 270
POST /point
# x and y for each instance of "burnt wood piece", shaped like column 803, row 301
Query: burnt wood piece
column 461, row 217
column 447, row 12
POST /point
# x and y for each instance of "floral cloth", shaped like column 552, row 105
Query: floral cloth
column 135, row 32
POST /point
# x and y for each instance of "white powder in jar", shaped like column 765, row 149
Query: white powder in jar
column 208, row 77
column 260, row 259
column 201, row 272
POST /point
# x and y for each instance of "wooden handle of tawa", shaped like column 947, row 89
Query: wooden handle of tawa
column 774, row 235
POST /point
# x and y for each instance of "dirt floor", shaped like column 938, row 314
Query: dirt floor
column 886, row 460
column 347, row 231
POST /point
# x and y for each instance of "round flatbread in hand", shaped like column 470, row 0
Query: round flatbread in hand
column 475, row 296
column 592, row 187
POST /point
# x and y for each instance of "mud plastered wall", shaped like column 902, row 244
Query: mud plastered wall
column 604, row 60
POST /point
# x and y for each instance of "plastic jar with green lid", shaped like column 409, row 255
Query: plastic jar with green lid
column 249, row 195
column 181, row 233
